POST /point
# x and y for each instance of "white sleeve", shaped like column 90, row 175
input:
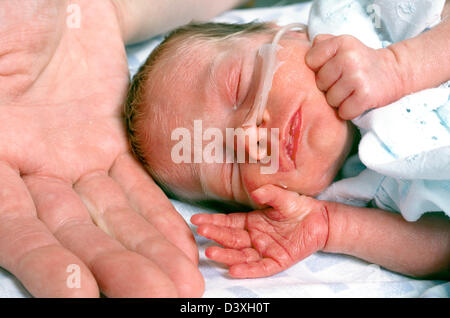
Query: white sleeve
column 377, row 23
column 404, row 19
column 409, row 139
column 343, row 17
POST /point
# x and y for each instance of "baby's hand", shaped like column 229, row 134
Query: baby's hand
column 354, row 77
column 264, row 242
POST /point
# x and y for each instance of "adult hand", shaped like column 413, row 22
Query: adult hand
column 71, row 195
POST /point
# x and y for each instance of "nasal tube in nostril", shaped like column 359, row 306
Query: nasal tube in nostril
column 257, row 143
column 268, row 54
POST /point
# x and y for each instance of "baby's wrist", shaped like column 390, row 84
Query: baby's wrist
column 330, row 242
column 341, row 230
column 411, row 77
column 399, row 74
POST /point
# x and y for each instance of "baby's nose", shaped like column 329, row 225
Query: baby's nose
column 257, row 145
column 266, row 116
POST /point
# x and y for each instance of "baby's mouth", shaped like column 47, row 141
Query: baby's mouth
column 293, row 135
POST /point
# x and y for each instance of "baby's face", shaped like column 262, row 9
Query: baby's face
column 218, row 85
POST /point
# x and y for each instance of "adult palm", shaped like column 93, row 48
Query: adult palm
column 72, row 198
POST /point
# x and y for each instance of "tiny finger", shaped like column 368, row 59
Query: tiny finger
column 323, row 49
column 227, row 237
column 284, row 202
column 329, row 74
column 338, row 93
column 353, row 106
column 235, row 220
column 322, row 37
column 261, row 268
column 231, row 256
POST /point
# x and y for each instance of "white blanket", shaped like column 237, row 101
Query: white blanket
column 320, row 275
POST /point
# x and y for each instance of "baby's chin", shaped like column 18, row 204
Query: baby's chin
column 313, row 190
column 310, row 185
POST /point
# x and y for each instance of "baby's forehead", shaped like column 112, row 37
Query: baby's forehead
column 196, row 48
column 177, row 80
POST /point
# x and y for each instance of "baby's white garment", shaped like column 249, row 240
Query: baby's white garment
column 405, row 146
column 411, row 197
column 376, row 23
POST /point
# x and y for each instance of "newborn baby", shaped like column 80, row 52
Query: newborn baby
column 220, row 75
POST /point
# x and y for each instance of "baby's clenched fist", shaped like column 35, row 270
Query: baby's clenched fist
column 354, row 77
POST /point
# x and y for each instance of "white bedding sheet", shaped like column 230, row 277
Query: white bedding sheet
column 321, row 274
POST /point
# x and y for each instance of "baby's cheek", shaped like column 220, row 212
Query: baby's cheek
column 327, row 134
column 319, row 140
column 324, row 146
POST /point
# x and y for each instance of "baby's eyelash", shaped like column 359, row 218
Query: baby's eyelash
column 236, row 93
column 236, row 100
column 233, row 88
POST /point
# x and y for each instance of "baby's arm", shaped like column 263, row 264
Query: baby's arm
column 264, row 242
column 356, row 78
column 419, row 249
column 425, row 60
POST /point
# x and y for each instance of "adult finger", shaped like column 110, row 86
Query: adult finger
column 28, row 249
column 109, row 208
column 147, row 199
column 118, row 271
